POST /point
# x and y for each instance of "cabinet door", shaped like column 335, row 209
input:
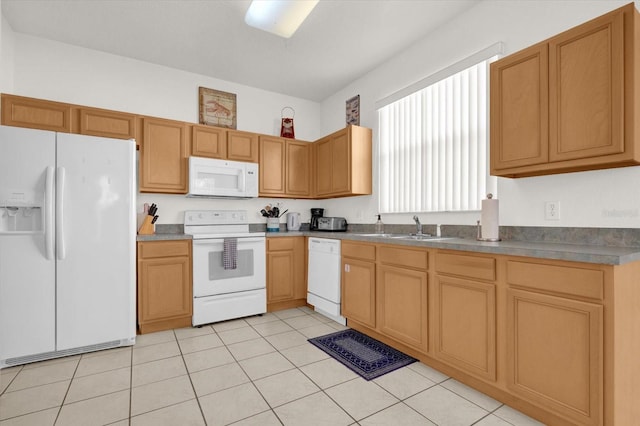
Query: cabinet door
column 467, row 341
column 209, row 142
column 36, row 114
column 341, row 162
column 242, row 146
column 359, row 291
column 108, row 124
column 298, row 169
column 164, row 289
column 324, row 167
column 163, row 157
column 272, row 166
column 555, row 354
column 402, row 305
column 280, row 276
column 586, row 78
column 519, row 109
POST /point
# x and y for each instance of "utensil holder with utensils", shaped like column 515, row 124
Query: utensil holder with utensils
column 148, row 224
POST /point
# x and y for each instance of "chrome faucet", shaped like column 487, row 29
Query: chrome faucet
column 418, row 225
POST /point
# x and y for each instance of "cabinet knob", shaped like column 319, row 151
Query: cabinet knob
column 346, row 267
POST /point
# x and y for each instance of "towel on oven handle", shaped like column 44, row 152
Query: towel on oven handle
column 230, row 253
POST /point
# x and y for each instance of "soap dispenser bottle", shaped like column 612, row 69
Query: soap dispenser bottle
column 379, row 226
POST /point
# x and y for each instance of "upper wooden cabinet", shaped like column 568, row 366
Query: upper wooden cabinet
column 343, row 163
column 208, row 141
column 242, row 146
column 285, row 168
column 163, row 156
column 35, row 113
column 107, row 124
column 569, row 103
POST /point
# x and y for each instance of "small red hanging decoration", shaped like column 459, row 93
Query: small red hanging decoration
column 286, row 129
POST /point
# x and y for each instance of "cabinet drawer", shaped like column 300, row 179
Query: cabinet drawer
column 483, row 268
column 558, row 279
column 359, row 251
column 281, row 243
column 403, row 257
column 151, row 249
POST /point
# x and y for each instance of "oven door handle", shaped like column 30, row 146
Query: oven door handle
column 241, row 240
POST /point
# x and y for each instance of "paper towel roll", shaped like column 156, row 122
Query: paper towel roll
column 490, row 218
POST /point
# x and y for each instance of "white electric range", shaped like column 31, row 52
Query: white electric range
column 229, row 266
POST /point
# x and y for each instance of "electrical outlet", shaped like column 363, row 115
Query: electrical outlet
column 552, row 210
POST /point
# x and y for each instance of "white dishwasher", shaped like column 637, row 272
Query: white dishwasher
column 323, row 284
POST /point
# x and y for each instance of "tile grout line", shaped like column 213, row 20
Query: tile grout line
column 184, row 362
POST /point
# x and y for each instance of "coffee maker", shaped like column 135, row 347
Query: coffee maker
column 315, row 214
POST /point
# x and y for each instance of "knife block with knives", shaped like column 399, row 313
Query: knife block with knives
column 147, row 227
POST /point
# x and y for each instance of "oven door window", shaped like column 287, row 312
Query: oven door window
column 244, row 265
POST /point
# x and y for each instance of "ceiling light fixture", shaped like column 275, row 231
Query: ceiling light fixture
column 280, row 17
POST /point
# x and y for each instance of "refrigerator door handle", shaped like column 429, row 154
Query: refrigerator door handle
column 59, row 210
column 48, row 213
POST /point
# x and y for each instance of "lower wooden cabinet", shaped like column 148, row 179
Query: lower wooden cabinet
column 465, row 325
column 359, row 291
column 402, row 305
column 286, row 284
column 165, row 295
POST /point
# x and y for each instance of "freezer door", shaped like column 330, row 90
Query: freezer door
column 95, row 241
column 27, row 266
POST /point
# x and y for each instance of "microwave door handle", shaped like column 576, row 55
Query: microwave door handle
column 243, row 180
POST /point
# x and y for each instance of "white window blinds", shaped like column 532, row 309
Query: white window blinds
column 433, row 145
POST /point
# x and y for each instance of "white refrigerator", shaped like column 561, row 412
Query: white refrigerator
column 67, row 244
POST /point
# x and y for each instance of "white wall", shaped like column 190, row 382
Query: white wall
column 51, row 70
column 40, row 68
column 607, row 198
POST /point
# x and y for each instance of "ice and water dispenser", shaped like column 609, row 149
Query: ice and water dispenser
column 21, row 212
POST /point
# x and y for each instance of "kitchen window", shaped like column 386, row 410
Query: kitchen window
column 433, row 140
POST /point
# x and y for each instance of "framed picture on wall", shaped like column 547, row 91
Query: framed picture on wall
column 217, row 108
column 353, row 110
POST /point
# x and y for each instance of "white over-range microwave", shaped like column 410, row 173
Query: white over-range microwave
column 215, row 178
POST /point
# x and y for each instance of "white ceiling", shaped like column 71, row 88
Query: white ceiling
column 339, row 42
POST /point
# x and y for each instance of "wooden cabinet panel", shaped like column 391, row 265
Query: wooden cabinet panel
column 402, row 305
column 324, row 167
column 413, row 258
column 358, row 250
column 165, row 296
column 520, row 109
column 558, row 279
column 298, row 168
column 280, row 276
column 569, row 104
column 586, row 83
column 272, row 166
column 483, row 268
column 163, row 249
column 163, row 165
column 465, row 329
column 107, row 124
column 286, row 284
column 208, row 141
column 555, row 354
column 36, row 113
column 242, row 146
column 343, row 163
column 359, row 291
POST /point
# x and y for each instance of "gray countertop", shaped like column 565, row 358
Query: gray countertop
column 544, row 250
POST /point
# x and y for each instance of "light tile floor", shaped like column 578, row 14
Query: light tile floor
column 253, row 371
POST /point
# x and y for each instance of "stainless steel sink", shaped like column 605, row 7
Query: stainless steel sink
column 415, row 237
column 418, row 237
